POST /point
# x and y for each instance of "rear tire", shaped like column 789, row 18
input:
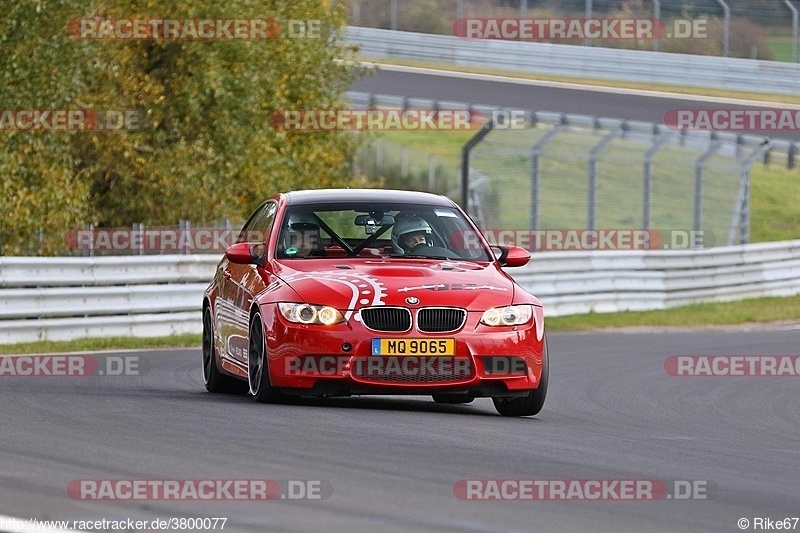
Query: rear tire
column 452, row 398
column 261, row 388
column 532, row 403
column 214, row 380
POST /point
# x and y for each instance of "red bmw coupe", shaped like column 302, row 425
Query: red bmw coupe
column 349, row 292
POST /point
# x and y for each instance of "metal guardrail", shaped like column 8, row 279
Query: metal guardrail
column 146, row 296
column 581, row 62
column 609, row 281
column 64, row 298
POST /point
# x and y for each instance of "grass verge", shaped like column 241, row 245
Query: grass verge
column 757, row 310
column 110, row 343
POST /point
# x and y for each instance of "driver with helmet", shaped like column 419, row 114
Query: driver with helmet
column 411, row 233
column 301, row 236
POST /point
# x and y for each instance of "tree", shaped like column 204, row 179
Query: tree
column 207, row 149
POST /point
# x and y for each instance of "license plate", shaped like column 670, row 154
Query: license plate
column 413, row 347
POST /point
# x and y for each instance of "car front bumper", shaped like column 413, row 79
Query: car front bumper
column 338, row 360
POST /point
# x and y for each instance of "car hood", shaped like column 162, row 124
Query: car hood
column 349, row 285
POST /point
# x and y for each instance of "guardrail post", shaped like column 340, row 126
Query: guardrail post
column 792, row 153
column 536, row 153
column 465, row 154
column 594, row 155
column 699, row 167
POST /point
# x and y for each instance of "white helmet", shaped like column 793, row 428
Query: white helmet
column 406, row 226
column 297, row 226
column 301, row 221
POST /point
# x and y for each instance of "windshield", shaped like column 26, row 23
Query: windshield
column 375, row 230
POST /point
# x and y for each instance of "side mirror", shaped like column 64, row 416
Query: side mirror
column 513, row 256
column 247, row 253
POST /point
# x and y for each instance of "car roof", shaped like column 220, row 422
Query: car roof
column 316, row 196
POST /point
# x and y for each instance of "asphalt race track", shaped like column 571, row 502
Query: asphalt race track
column 612, row 413
column 584, row 101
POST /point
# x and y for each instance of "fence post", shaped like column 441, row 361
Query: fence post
column 699, row 167
column 726, row 31
column 226, row 227
column 790, row 160
column 594, row 155
column 404, row 161
column 523, row 8
column 91, row 241
column 588, row 15
column 536, row 153
column 741, row 216
column 658, row 144
column 465, row 153
column 793, row 9
column 657, row 17
column 138, row 234
column 431, row 172
column 393, row 22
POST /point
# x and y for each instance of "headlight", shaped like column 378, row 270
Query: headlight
column 310, row 314
column 512, row 315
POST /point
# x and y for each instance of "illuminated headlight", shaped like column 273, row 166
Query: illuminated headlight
column 310, row 314
column 512, row 315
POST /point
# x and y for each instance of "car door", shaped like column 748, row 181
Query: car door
column 241, row 283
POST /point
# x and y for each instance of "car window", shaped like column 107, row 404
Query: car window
column 258, row 228
column 325, row 230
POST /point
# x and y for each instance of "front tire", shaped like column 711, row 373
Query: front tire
column 261, row 388
column 532, row 403
column 214, row 380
